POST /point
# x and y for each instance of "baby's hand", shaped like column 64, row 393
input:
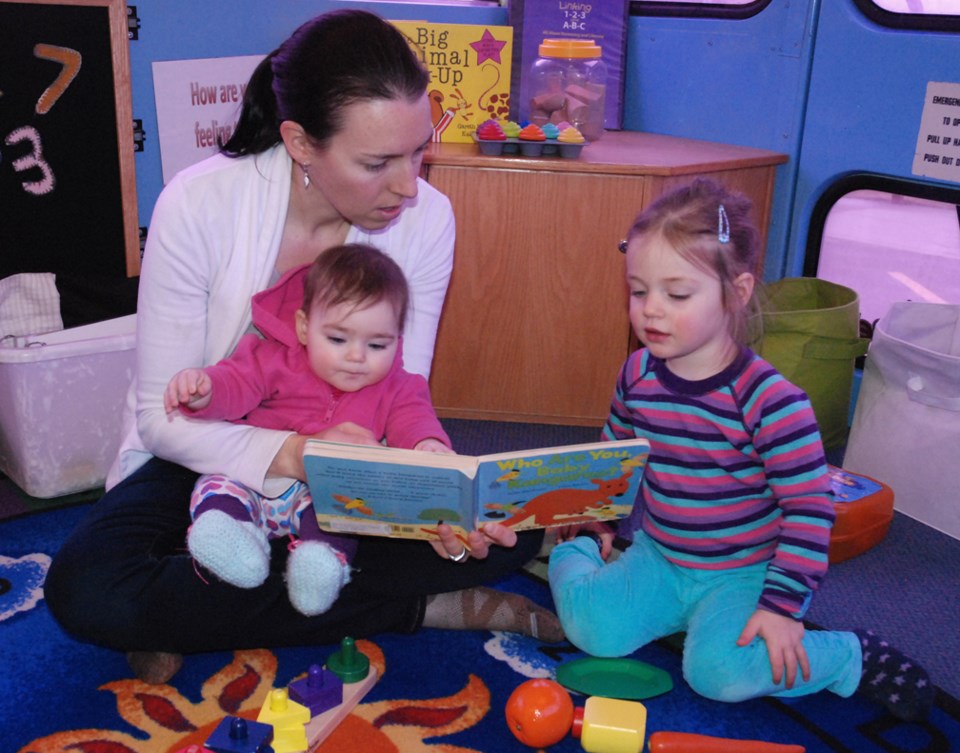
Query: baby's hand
column 190, row 387
column 433, row 445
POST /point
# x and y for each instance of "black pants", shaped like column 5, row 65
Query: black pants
column 124, row 579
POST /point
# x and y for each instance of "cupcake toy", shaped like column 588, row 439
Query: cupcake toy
column 490, row 138
column 531, row 140
column 570, row 142
column 550, row 131
column 512, row 130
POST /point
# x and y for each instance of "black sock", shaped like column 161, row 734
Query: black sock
column 892, row 679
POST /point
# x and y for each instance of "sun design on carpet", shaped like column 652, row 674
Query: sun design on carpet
column 169, row 722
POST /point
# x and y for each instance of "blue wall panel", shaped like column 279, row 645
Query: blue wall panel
column 866, row 97
column 738, row 81
column 811, row 79
column 186, row 29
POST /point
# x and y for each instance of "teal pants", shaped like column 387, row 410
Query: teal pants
column 614, row 609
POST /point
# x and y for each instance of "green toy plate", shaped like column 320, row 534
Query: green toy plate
column 626, row 679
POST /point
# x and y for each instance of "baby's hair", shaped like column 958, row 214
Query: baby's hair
column 359, row 274
column 709, row 226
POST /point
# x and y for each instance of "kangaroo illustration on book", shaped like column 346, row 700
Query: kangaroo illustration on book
column 566, row 506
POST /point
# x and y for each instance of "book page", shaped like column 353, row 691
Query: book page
column 561, row 486
column 387, row 498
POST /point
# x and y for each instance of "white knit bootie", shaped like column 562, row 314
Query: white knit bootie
column 315, row 574
column 235, row 551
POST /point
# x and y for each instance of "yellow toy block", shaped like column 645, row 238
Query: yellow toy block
column 279, row 710
column 287, row 718
column 289, row 739
column 611, row 725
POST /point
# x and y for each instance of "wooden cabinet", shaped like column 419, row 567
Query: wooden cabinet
column 535, row 324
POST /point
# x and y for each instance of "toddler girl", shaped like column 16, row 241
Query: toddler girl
column 732, row 523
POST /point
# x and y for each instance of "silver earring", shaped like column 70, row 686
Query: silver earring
column 306, row 176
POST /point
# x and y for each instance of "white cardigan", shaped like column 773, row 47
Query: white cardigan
column 213, row 243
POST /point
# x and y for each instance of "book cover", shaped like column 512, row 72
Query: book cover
column 469, row 68
column 384, row 491
column 851, row 487
column 603, row 21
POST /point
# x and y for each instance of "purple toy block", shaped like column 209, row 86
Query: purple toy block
column 235, row 734
column 320, row 690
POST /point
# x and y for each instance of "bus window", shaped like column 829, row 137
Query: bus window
column 892, row 247
column 920, row 7
column 693, row 2
column 929, row 15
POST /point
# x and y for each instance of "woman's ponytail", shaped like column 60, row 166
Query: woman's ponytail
column 258, row 127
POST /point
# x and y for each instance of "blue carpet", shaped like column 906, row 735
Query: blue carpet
column 441, row 691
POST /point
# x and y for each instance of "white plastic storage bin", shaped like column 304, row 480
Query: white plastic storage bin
column 61, row 398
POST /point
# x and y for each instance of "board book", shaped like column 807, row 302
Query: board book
column 469, row 69
column 385, row 491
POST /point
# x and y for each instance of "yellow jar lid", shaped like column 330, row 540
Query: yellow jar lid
column 570, row 48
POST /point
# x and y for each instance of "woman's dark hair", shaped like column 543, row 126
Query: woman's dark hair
column 331, row 61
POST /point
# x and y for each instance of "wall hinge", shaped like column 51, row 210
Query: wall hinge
column 133, row 23
column 138, row 135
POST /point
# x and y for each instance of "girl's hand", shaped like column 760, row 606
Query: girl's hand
column 433, row 445
column 607, row 535
column 478, row 543
column 784, row 638
column 190, row 387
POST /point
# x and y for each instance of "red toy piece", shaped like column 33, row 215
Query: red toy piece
column 610, row 725
column 686, row 742
column 539, row 712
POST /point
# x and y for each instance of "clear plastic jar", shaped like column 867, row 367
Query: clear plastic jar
column 568, row 83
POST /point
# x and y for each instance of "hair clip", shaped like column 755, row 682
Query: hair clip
column 723, row 225
column 622, row 246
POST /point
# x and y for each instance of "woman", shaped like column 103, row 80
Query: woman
column 327, row 151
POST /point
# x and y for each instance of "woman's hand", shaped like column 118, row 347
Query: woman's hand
column 784, row 638
column 607, row 535
column 433, row 445
column 348, row 432
column 477, row 545
column 288, row 462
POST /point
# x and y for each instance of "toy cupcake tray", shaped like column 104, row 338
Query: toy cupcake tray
column 514, row 146
column 530, row 140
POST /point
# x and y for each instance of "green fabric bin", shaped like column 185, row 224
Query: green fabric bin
column 810, row 333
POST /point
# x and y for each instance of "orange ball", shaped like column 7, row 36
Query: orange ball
column 539, row 712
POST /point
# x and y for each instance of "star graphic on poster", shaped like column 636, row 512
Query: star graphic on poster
column 488, row 47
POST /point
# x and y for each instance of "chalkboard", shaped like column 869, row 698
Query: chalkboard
column 67, row 182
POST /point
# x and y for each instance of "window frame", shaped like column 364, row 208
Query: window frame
column 861, row 181
column 697, row 10
column 908, row 21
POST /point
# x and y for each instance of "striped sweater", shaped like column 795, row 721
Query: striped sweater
column 736, row 473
